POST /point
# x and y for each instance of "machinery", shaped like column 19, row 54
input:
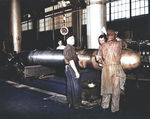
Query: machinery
column 54, row 59
column 45, row 69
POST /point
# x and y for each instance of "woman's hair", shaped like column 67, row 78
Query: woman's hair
column 59, row 40
column 103, row 36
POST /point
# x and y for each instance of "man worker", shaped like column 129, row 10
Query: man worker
column 72, row 71
column 113, row 76
column 61, row 46
column 102, row 38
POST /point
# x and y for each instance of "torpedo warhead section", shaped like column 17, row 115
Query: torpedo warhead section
column 129, row 59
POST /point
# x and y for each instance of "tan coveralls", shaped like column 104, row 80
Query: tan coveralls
column 113, row 76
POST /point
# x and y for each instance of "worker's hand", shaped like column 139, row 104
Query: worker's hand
column 77, row 75
column 80, row 63
column 98, row 59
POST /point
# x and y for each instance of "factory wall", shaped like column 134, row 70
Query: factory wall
column 138, row 26
column 135, row 29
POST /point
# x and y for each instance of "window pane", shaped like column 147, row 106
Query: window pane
column 123, row 1
column 133, row 12
column 120, row 15
column 142, row 11
column 120, row 8
column 41, row 25
column 123, row 14
column 116, row 9
column 68, row 19
column 47, row 19
column 47, row 9
column 107, row 17
column 116, row 3
column 112, row 9
column 137, row 4
column 123, row 7
column 48, row 28
column 142, row 3
column 107, row 5
column 119, row 2
column 41, row 29
column 41, row 21
column 107, row 10
column 146, row 2
column 116, row 15
column 128, row 1
column 128, row 14
column 24, row 27
column 112, row 4
column 137, row 12
column 112, row 17
column 84, row 16
column 127, row 6
column 146, row 10
column 133, row 5
column 30, row 25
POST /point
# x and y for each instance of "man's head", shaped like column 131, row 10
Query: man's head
column 102, row 39
column 111, row 34
column 59, row 42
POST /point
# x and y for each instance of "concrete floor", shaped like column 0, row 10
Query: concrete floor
column 23, row 102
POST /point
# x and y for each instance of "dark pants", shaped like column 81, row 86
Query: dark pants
column 74, row 88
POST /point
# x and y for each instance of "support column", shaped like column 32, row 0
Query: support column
column 77, row 26
column 15, row 26
column 96, row 19
column 35, row 14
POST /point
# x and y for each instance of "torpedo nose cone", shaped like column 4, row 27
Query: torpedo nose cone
column 130, row 59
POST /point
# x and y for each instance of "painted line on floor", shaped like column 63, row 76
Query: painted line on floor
column 53, row 96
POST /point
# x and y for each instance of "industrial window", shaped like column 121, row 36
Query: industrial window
column 48, row 9
column 30, row 24
column 107, row 12
column 139, row 7
column 41, row 25
column 46, row 24
column 49, row 23
column 121, row 9
column 68, row 17
column 27, row 23
column 24, row 26
column 84, row 17
column 58, row 22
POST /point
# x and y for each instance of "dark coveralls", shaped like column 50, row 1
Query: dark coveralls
column 74, row 88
